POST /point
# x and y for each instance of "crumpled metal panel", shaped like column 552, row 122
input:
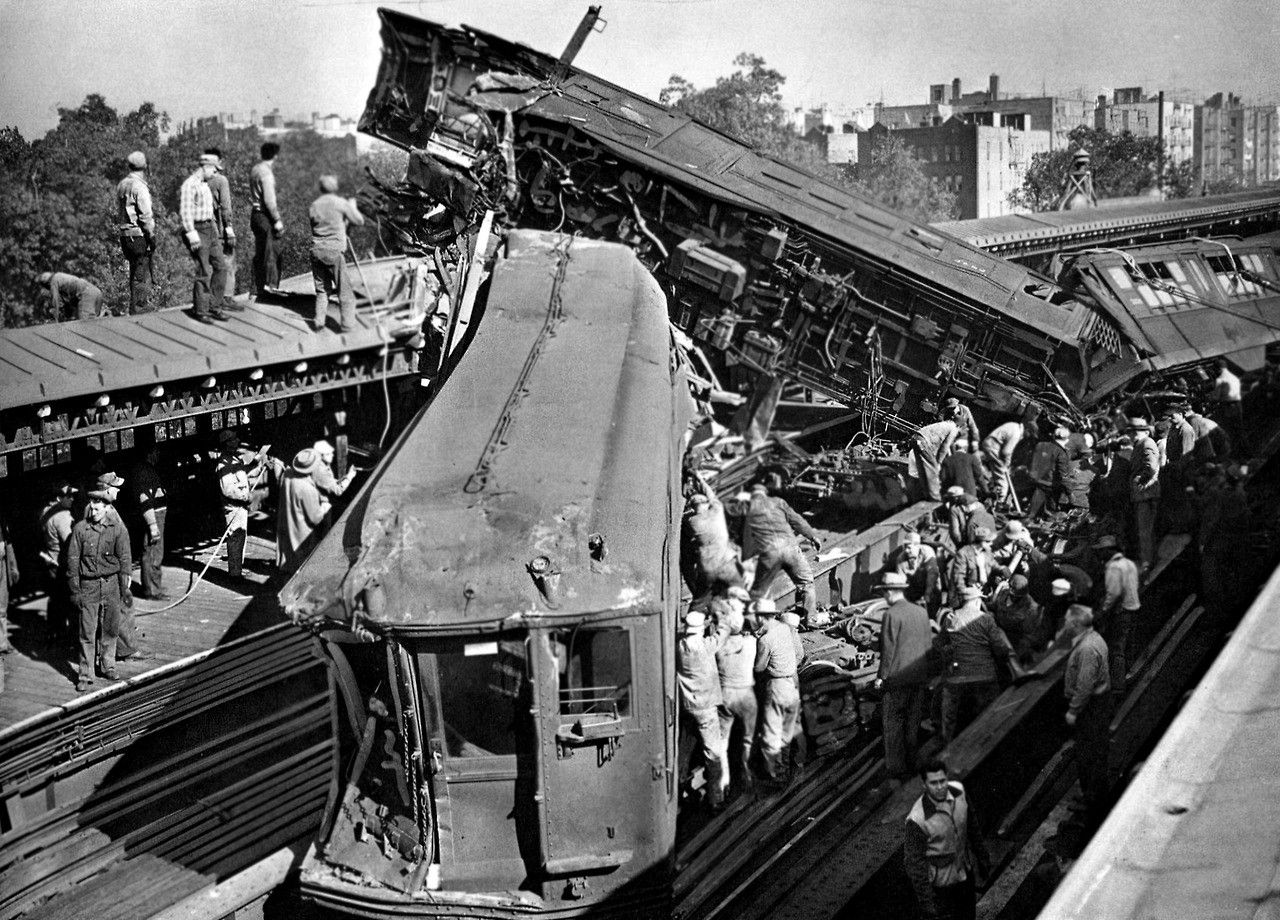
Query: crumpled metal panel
column 546, row 432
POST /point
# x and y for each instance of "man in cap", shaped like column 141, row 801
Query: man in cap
column 98, row 578
column 1051, row 472
column 972, row 514
column 905, row 640
column 152, row 501
column 930, row 445
column 712, row 562
column 224, row 233
column 943, row 851
column 330, row 214
column 196, row 212
column 963, row 468
column 976, row 649
column 772, row 527
column 265, row 222
column 777, row 666
column 326, row 480
column 699, row 682
column 735, row 661
column 69, row 291
column 56, row 522
column 955, row 411
column 301, row 509
column 235, row 482
column 1018, row 614
column 972, row 565
column 1013, row 547
column 1144, row 490
column 997, row 451
column 137, row 226
column 917, row 562
column 1087, row 686
column 128, row 642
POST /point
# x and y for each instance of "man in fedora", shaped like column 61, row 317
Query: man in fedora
column 98, row 576
column 905, row 639
column 302, row 507
column 1144, row 490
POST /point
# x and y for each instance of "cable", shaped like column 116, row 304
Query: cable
column 213, row 554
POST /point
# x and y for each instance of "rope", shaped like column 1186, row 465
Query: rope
column 213, row 554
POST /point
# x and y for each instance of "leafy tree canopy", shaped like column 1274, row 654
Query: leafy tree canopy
column 58, row 208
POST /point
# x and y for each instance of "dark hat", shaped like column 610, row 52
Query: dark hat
column 65, row 489
column 1139, row 424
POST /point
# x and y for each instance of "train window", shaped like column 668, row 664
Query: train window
column 595, row 671
column 480, row 685
column 1179, row 276
column 1233, row 285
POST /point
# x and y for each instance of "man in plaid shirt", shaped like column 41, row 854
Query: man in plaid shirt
column 195, row 210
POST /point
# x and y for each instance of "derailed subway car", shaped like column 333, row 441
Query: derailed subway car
column 500, row 604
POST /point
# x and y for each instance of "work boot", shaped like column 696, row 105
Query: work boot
column 140, row 654
column 202, row 318
column 219, row 316
column 233, row 306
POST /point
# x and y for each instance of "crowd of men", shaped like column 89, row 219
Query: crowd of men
column 972, row 603
column 87, row 554
column 205, row 216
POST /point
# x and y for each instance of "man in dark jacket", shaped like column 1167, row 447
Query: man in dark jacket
column 1052, row 473
column 1087, row 686
column 905, row 639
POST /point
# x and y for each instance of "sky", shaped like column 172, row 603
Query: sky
column 199, row 58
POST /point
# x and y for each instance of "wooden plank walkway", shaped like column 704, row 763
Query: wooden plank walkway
column 40, row 675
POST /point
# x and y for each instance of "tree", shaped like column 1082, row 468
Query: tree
column 1123, row 166
column 748, row 105
column 894, row 178
column 58, row 207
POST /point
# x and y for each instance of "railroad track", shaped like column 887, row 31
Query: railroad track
column 828, row 846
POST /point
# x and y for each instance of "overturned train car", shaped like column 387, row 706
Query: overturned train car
column 502, row 599
column 782, row 276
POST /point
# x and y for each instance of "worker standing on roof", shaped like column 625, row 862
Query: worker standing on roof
column 265, row 222
column 330, row 215
column 68, row 290
column 930, row 445
column 997, row 450
column 772, row 526
column 224, row 232
column 98, row 574
column 195, row 210
column 137, row 227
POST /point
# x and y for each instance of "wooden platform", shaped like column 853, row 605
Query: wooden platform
column 40, row 676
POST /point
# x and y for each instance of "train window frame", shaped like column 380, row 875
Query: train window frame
column 445, row 717
column 624, row 714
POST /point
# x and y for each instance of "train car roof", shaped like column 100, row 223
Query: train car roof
column 1114, row 215
column 677, row 146
column 563, row 419
column 1188, row 329
column 1197, row 832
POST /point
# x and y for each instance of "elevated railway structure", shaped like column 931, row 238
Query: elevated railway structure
column 1035, row 239
column 220, row 752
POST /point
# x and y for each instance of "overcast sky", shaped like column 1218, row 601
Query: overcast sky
column 304, row 55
